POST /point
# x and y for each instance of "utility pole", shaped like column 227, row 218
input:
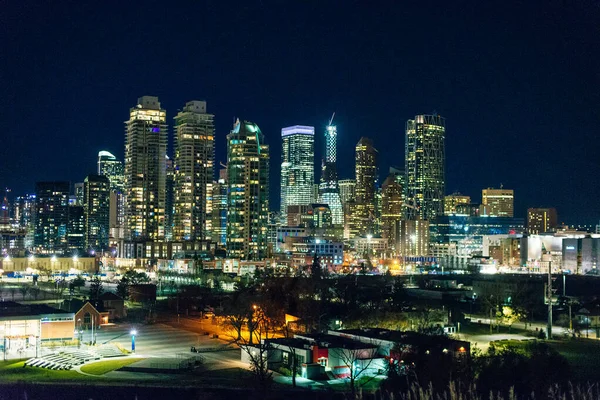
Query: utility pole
column 549, row 298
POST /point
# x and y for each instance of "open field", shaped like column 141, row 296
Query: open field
column 13, row 371
column 102, row 367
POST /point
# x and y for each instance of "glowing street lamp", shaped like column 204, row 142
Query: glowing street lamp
column 133, row 332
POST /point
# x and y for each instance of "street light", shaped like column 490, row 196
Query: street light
column 133, row 332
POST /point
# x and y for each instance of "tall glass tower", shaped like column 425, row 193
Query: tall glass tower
column 297, row 166
column 112, row 168
column 146, row 170
column 329, row 191
column 247, row 192
column 366, row 185
column 96, row 206
column 424, row 166
column 194, row 171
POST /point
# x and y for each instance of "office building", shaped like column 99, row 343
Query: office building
column 413, row 238
column 392, row 209
column 109, row 166
column 248, row 192
column 347, row 190
column 541, row 220
column 96, row 203
column 51, row 216
column 453, row 203
column 76, row 229
column 329, row 191
column 146, row 170
column 497, row 202
column 297, row 166
column 24, row 214
column 424, row 166
column 194, row 171
column 366, row 186
column 78, row 189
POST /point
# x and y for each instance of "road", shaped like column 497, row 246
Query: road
column 557, row 330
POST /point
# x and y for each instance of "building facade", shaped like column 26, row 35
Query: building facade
column 51, row 216
column 96, row 203
column 497, row 202
column 297, row 166
column 424, row 166
column 366, row 186
column 248, row 192
column 329, row 190
column 455, row 202
column 109, row 166
column 392, row 209
column 194, row 171
column 146, row 170
column 541, row 220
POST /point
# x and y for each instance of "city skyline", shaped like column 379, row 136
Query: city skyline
column 507, row 101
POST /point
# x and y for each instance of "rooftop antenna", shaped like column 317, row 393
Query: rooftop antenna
column 331, row 120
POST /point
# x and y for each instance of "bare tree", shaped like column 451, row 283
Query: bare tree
column 24, row 291
column 35, row 292
column 257, row 347
column 359, row 362
column 13, row 291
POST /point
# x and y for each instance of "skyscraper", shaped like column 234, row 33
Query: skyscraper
column 51, row 216
column 392, row 209
column 297, row 166
column 454, row 200
column 541, row 220
column 219, row 209
column 329, row 191
column 194, row 170
column 96, row 203
column 424, row 166
column 347, row 190
column 366, row 188
column 498, row 202
column 145, row 170
column 109, row 166
column 248, row 192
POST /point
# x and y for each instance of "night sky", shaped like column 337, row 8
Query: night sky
column 518, row 83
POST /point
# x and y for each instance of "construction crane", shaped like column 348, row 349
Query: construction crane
column 331, row 120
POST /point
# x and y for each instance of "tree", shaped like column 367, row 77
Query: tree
column 96, row 288
column 13, row 291
column 259, row 353
column 77, row 283
column 130, row 278
column 359, row 363
column 35, row 292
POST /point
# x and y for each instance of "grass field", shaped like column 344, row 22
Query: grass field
column 11, row 371
column 582, row 355
column 102, row 367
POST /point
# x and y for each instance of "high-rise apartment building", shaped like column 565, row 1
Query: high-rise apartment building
column 329, row 191
column 497, row 202
column 109, row 166
column 424, row 166
column 219, row 211
column 541, row 220
column 76, row 228
column 194, row 170
column 145, row 170
column 51, row 216
column 366, row 186
column 297, row 166
column 414, row 238
column 347, row 190
column 96, row 203
column 454, row 201
column 392, row 209
column 248, row 192
column 24, row 217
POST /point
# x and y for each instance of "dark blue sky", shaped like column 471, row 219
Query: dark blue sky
column 518, row 83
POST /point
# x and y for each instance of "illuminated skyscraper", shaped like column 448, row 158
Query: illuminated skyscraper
column 145, row 170
column 219, row 209
column 329, row 191
column 366, row 179
column 248, row 192
column 51, row 216
column 424, row 166
column 347, row 190
column 541, row 220
column 392, row 209
column 96, row 205
column 297, row 166
column 109, row 166
column 497, row 202
column 454, row 202
column 194, row 170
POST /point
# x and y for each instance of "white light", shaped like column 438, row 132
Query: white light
column 53, row 258
column 31, row 258
column 133, row 332
column 74, row 258
column 7, row 258
column 318, row 241
column 369, row 236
